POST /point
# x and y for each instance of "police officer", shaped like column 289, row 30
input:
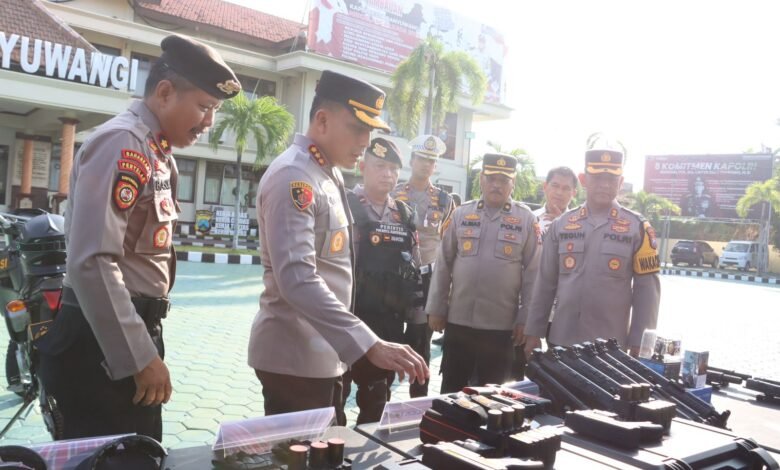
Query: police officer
column 433, row 206
column 387, row 279
column 304, row 332
column 600, row 260
column 483, row 280
column 559, row 189
column 102, row 360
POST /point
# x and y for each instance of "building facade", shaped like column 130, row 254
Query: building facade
column 66, row 67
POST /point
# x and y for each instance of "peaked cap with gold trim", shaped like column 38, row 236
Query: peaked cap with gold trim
column 604, row 161
column 428, row 146
column 362, row 98
column 499, row 164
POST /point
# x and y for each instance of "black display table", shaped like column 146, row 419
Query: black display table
column 364, row 452
column 759, row 420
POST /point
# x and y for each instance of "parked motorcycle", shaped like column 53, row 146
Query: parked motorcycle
column 32, row 268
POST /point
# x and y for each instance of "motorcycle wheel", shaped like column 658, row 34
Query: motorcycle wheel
column 52, row 416
column 12, row 368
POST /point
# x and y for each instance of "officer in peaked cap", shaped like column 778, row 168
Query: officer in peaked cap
column 304, row 335
column 600, row 247
column 387, row 276
column 484, row 276
column 363, row 99
column 432, row 206
column 102, row 359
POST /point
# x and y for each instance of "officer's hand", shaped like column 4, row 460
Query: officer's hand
column 517, row 335
column 399, row 358
column 153, row 384
column 531, row 343
column 437, row 323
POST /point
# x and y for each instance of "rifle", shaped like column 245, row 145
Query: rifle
column 705, row 411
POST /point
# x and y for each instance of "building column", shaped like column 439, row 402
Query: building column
column 24, row 198
column 66, row 162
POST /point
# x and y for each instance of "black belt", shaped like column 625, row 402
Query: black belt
column 151, row 310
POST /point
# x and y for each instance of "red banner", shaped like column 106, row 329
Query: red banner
column 705, row 185
column 382, row 33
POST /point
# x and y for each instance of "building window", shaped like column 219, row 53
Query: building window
column 144, row 66
column 54, row 168
column 221, row 185
column 3, row 171
column 108, row 50
column 185, row 190
column 447, row 132
column 213, row 182
column 256, row 87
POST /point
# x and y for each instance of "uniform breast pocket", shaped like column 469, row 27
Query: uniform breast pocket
column 336, row 237
column 509, row 245
column 433, row 217
column 155, row 236
column 615, row 259
column 571, row 255
column 468, row 241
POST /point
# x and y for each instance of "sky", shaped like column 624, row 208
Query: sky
column 663, row 77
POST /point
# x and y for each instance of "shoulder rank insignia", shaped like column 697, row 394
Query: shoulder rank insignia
column 302, row 194
column 507, row 207
column 613, row 213
column 125, row 192
column 165, row 145
column 317, row 155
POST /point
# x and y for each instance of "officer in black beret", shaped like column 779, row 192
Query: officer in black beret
column 387, row 275
column 102, row 359
column 305, row 336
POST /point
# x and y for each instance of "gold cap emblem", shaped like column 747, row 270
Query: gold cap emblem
column 430, row 143
column 379, row 150
column 605, row 157
column 501, row 162
column 229, row 87
column 380, row 102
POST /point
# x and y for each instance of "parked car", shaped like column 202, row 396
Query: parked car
column 741, row 254
column 694, row 253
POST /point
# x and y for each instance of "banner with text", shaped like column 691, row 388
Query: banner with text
column 706, row 185
column 382, row 33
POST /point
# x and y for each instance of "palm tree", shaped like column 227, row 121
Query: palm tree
column 652, row 205
column 432, row 78
column 757, row 193
column 526, row 184
column 269, row 123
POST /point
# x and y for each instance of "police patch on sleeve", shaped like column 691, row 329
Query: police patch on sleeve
column 302, row 194
column 125, row 192
column 646, row 257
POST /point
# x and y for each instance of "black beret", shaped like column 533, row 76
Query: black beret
column 364, row 99
column 201, row 65
column 604, row 161
column 386, row 150
column 499, row 163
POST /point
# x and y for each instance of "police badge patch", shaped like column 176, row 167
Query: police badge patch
column 125, row 192
column 302, row 194
column 161, row 237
